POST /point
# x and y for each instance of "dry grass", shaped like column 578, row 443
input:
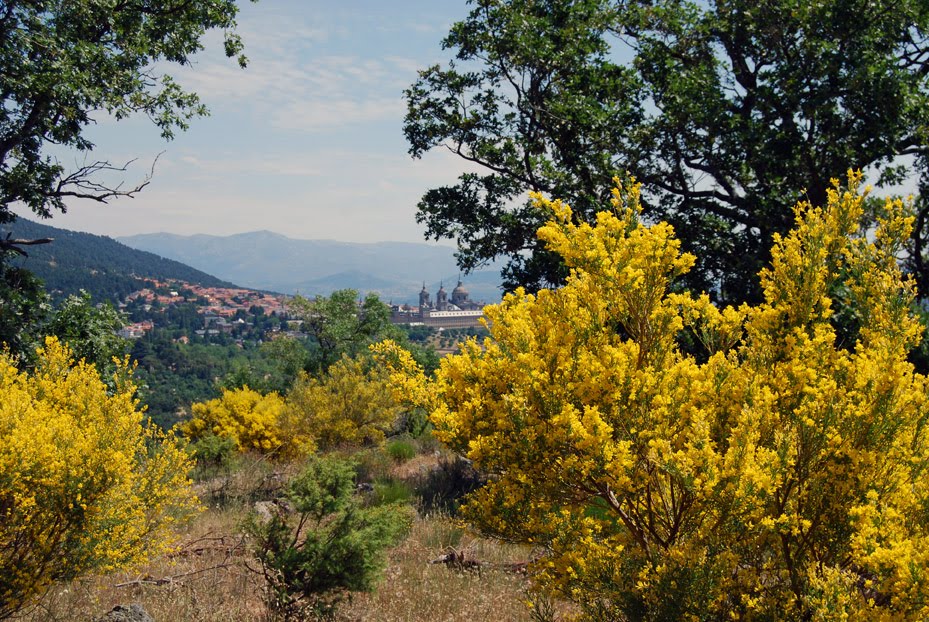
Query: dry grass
column 415, row 590
column 207, row 578
column 418, row 465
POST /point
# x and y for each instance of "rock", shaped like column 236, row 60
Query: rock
column 127, row 613
column 266, row 510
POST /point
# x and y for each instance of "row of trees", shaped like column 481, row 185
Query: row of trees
column 172, row 374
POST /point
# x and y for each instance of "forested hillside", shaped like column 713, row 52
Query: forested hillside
column 98, row 264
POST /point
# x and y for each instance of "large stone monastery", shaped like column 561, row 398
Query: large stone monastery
column 458, row 312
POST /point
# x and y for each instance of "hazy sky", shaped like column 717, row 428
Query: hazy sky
column 307, row 141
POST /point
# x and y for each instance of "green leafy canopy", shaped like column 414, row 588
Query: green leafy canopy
column 727, row 111
column 63, row 62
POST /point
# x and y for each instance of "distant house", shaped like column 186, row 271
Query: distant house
column 136, row 330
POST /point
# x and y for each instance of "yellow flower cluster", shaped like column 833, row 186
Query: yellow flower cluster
column 85, row 484
column 250, row 419
column 778, row 474
column 350, row 405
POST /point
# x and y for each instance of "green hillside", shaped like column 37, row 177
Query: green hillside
column 100, row 265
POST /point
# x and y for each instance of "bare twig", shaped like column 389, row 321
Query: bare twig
column 80, row 184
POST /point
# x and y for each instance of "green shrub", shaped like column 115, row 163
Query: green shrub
column 392, row 491
column 213, row 454
column 327, row 546
column 401, row 449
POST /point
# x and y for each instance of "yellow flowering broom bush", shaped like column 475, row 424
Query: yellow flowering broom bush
column 778, row 475
column 85, row 484
column 248, row 418
column 350, row 405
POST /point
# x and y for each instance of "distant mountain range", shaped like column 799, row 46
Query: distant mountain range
column 102, row 266
column 270, row 261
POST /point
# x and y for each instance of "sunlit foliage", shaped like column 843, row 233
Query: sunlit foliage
column 90, row 331
column 311, row 559
column 250, row 419
column 779, row 475
column 340, row 325
column 85, row 485
column 350, row 405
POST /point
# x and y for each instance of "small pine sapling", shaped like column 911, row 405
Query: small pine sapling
column 325, row 545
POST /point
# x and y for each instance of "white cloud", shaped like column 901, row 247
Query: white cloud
column 326, row 92
column 272, row 164
column 328, row 114
column 298, row 81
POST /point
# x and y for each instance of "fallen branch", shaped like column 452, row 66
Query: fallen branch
column 186, row 551
column 207, row 544
column 174, row 579
column 458, row 560
column 461, row 561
